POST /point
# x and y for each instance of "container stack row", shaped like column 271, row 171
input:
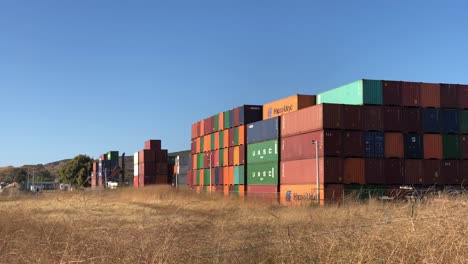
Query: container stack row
column 218, row 149
column 151, row 165
column 104, row 167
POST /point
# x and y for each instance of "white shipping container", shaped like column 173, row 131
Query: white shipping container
column 135, row 170
column 135, row 158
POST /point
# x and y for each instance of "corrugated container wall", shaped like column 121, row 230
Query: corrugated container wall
column 353, row 144
column 450, row 122
column 360, row 92
column 392, row 119
column 433, row 146
column 287, row 105
column 374, row 144
column 431, row 120
column 373, row 118
column 430, row 95
column 394, row 145
column 463, row 96
column 391, row 92
column 448, row 96
column 352, row 117
column 414, row 148
column 412, row 119
column 263, row 130
column 410, row 94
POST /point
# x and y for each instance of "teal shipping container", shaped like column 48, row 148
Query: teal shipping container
column 362, row 92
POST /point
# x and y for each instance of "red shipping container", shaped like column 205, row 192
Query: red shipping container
column 231, row 137
column 242, row 154
column 215, row 157
column 411, row 119
column 314, row 118
column 334, row 192
column 352, row 117
column 413, row 171
column 353, row 144
column 301, row 147
column 236, row 114
column 304, row 171
column 373, row 118
column 263, row 193
column 462, row 96
column 374, row 171
column 410, row 94
column 153, row 144
column 141, row 181
column 394, row 147
column 431, row 172
column 392, row 118
column 193, row 147
column 448, row 96
column 449, row 172
column 432, row 146
column 231, row 156
column 430, row 95
column 391, row 92
column 353, row 171
column 146, row 156
column 135, row 181
column 207, row 126
column 394, row 171
column 464, row 146
column 103, row 157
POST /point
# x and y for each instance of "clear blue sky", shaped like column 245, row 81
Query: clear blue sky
column 87, row 76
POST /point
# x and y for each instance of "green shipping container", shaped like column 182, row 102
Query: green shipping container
column 171, row 160
column 206, row 178
column 112, row 155
column 200, row 160
column 221, row 157
column 361, row 92
column 202, row 144
column 216, row 123
column 463, row 119
column 226, row 119
column 262, row 174
column 236, row 136
column 239, row 174
column 221, row 139
column 451, row 146
column 197, row 180
column 266, row 151
column 212, row 142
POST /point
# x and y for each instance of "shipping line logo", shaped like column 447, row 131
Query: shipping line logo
column 262, row 175
column 290, row 196
column 262, row 153
column 279, row 111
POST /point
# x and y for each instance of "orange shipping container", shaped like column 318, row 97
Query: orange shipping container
column 430, row 95
column 216, row 138
column 194, row 162
column 242, row 135
column 226, row 139
column 433, row 146
column 231, row 175
column 354, row 171
column 287, row 105
column 226, row 190
column 394, row 145
column 207, row 143
column 236, row 155
column 197, row 140
column 221, row 121
column 226, row 157
column 202, row 128
column 301, row 194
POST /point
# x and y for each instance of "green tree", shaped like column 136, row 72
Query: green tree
column 19, row 175
column 77, row 171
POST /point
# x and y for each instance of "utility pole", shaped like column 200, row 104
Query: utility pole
column 211, row 153
column 317, row 179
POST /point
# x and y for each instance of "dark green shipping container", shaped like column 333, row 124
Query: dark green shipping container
column 463, row 119
column 266, row 151
column 263, row 174
column 216, row 123
column 221, row 139
column 451, row 146
column 226, row 119
column 236, row 136
column 206, row 177
column 197, row 180
column 221, row 157
column 202, row 144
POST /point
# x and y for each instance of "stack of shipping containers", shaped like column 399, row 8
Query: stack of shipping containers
column 152, row 163
column 218, row 150
column 103, row 168
column 181, row 168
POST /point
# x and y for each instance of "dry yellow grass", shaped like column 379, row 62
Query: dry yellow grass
column 159, row 225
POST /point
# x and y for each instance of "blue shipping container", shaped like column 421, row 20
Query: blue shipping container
column 414, row 146
column 450, row 122
column 231, row 120
column 263, row 130
column 374, row 144
column 431, row 120
column 217, row 182
column 250, row 113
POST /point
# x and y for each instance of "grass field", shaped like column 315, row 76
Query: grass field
column 159, row 225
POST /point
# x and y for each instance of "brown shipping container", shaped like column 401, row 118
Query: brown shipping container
column 448, row 96
column 353, row 144
column 193, row 147
column 147, row 169
column 373, row 118
column 242, row 154
column 374, row 171
column 235, row 111
column 161, row 179
column 464, row 146
column 287, row 105
column 353, row 171
column 431, row 172
column 410, row 94
column 161, row 156
column 226, row 138
column 334, row 193
column 430, row 95
column 394, row 145
column 304, row 171
column 215, row 158
column 449, row 172
column 153, row 144
column 231, row 156
column 301, row 147
column 231, row 137
column 392, row 118
column 391, row 92
column 146, row 156
column 352, row 117
column 463, row 96
column 413, row 171
column 161, row 168
column 432, row 146
column 394, row 171
column 315, row 118
column 411, row 119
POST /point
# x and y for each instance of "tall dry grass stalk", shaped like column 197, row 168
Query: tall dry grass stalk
column 160, row 225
